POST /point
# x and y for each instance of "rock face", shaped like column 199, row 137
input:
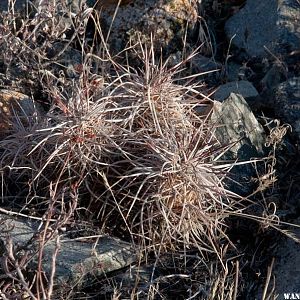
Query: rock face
column 261, row 25
column 238, row 127
column 287, row 100
column 243, row 87
column 76, row 260
column 136, row 20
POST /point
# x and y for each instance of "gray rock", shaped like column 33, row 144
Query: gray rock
column 287, row 102
column 243, row 87
column 200, row 64
column 261, row 25
column 273, row 77
column 287, row 266
column 233, row 71
column 140, row 20
column 77, row 260
column 19, row 5
column 238, row 127
column 140, row 277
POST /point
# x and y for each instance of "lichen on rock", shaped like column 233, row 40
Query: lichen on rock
column 165, row 20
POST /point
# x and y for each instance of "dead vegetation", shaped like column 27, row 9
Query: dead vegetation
column 122, row 147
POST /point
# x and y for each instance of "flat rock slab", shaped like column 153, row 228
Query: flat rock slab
column 264, row 27
column 77, row 260
column 242, row 87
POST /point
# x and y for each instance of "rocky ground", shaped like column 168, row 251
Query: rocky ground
column 236, row 63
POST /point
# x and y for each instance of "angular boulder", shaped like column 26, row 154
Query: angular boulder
column 264, row 27
column 237, row 128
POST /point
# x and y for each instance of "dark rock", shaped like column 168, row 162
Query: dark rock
column 287, row 265
column 17, row 110
column 233, row 71
column 264, row 27
column 19, row 5
column 236, row 72
column 273, row 77
column 67, row 58
column 200, row 64
column 243, row 87
column 287, row 102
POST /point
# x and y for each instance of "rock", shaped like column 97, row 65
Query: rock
column 287, row 266
column 262, row 27
column 243, row 88
column 137, row 20
column 273, row 77
column 140, row 277
column 15, row 107
column 200, row 64
column 287, row 102
column 237, row 125
column 19, row 5
column 235, row 72
column 77, row 260
column 68, row 57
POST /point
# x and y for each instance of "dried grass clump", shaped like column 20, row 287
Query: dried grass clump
column 128, row 146
column 135, row 152
column 169, row 191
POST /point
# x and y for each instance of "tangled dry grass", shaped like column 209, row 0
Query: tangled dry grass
column 136, row 149
column 120, row 145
